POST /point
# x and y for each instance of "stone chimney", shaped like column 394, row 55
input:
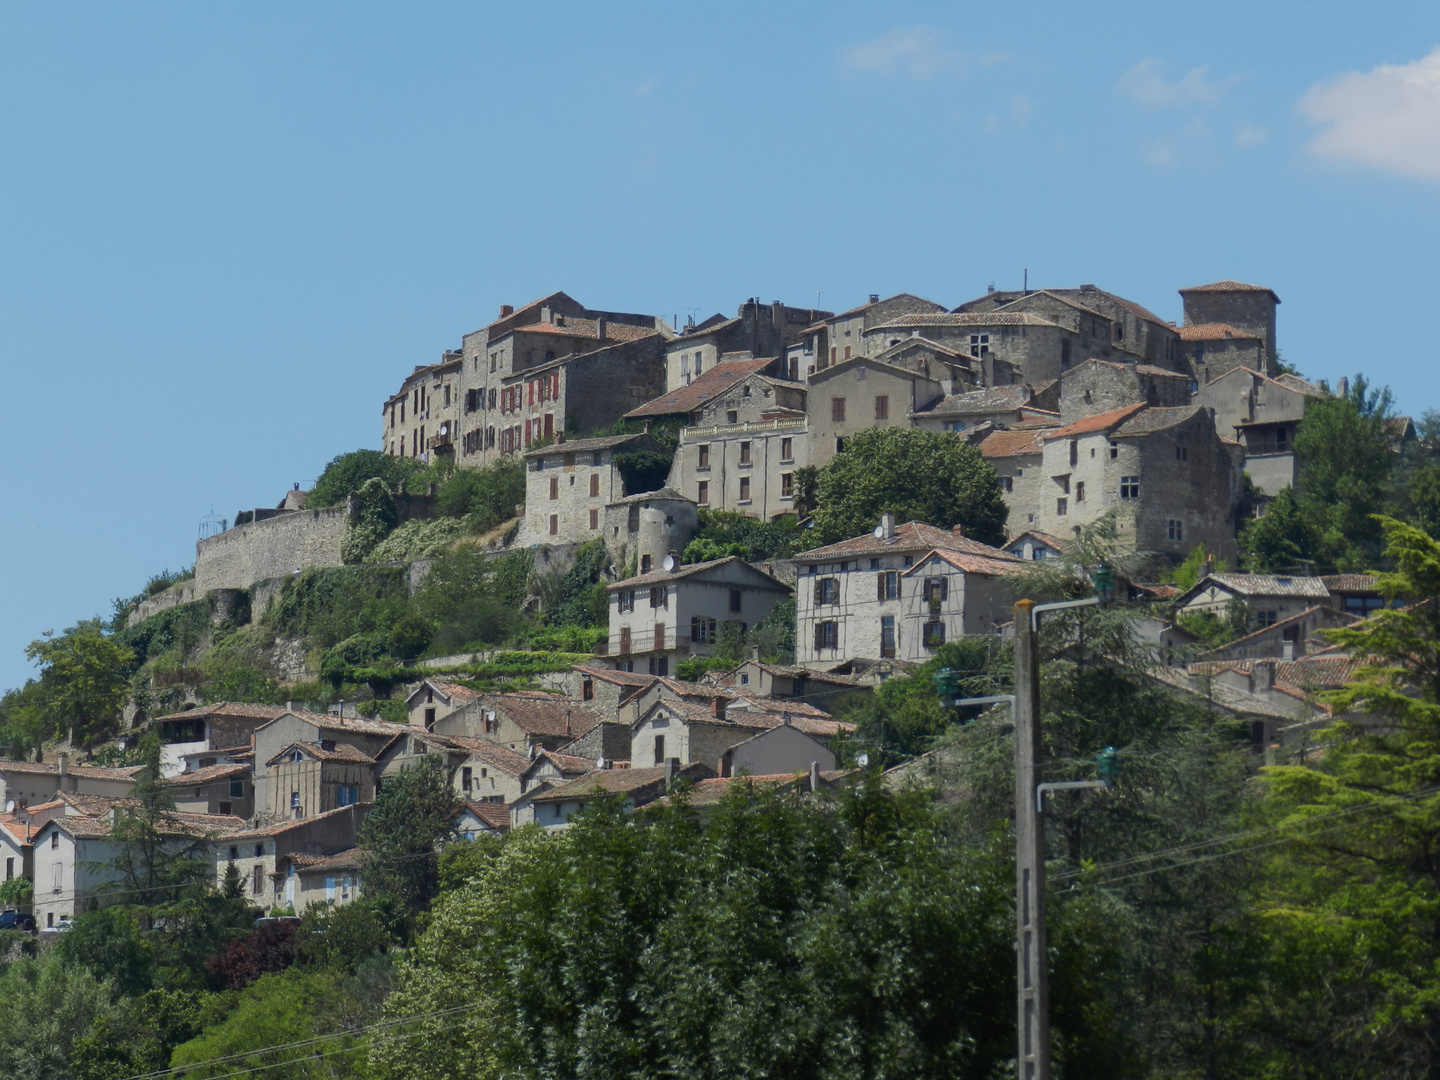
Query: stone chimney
column 1344, row 386
column 63, row 775
column 545, row 314
column 814, row 776
column 887, row 526
column 293, row 706
column 958, row 530
column 600, row 328
column 506, row 310
column 874, row 298
column 717, row 707
column 777, row 316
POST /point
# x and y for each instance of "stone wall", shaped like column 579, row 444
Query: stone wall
column 184, row 593
column 274, row 548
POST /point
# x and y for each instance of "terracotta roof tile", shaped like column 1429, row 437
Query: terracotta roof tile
column 544, row 714
column 656, row 577
column 998, row 565
column 236, row 709
column 496, row 815
column 585, row 446
column 1099, row 422
column 716, row 381
column 1155, row 419
column 1214, row 332
column 89, row 772
column 286, row 826
column 207, row 774
column 913, row 536
column 996, row 399
column 1014, row 443
column 1229, row 286
column 501, row 757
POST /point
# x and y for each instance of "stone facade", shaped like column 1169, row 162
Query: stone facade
column 1006, row 346
column 419, row 420
column 761, row 330
column 843, row 337
column 665, row 616
column 1249, row 308
column 862, row 393
column 1098, row 386
column 1000, row 406
column 1263, row 414
column 642, row 529
column 276, row 547
column 568, row 485
column 1212, row 349
column 748, row 467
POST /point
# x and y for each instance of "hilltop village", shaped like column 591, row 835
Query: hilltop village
column 1087, row 406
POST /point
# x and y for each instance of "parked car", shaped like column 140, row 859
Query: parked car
column 14, row 920
column 62, row 924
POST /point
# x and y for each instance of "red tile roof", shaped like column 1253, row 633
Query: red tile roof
column 913, row 536
column 716, row 381
column 992, row 566
column 1214, row 332
column 1001, row 444
column 1230, row 286
column 496, row 815
column 501, row 757
column 205, row 775
column 239, row 709
column 1099, row 422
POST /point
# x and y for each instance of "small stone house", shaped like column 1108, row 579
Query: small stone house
column 216, row 789
column 1031, row 545
column 569, row 484
column 950, row 594
column 748, row 467
column 488, row 772
column 521, row 719
column 1271, row 598
column 324, row 733
column 781, row 749
column 309, row 779
column 435, row 698
column 852, row 599
column 324, row 879
column 787, row 682
column 474, row 820
column 29, row 783
column 1264, row 414
column 1001, row 406
column 862, row 393
column 216, row 728
column 667, row 615
column 1018, row 456
column 261, row 855
column 554, row 808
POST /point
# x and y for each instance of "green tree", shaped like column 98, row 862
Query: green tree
column 347, row 474
column 1288, row 537
column 84, row 681
column 916, row 475
column 373, row 518
column 468, row 602
column 1356, row 912
column 722, row 533
column 138, row 1036
column 400, row 838
column 45, row 1005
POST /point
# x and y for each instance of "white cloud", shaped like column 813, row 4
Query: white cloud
column 1250, row 135
column 917, row 51
column 1388, row 118
column 1192, row 145
column 1146, row 84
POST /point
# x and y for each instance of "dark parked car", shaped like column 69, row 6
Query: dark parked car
column 14, row 920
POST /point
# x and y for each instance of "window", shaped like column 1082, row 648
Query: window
column 1266, row 618
column 1129, row 487
column 735, row 598
column 295, row 800
column 594, row 486
column 659, row 749
column 702, row 456
column 887, row 635
column 1064, row 482
column 1065, row 353
column 934, row 634
column 554, row 487
column 554, row 524
column 659, row 597
column 1074, row 452
column 827, row 635
column 466, row 777
column 347, row 794
column 827, row 591
column 882, row 407
column 646, row 563
column 1119, row 331
column 837, row 409
column 744, row 453
column 1007, row 485
column 1062, row 507
column 787, row 449
column 937, row 591
column 259, row 851
column 10, row 868
column 702, row 492
column 887, row 585
column 979, row 344
column 702, row 630
column 54, row 840
column 625, row 641
column 787, row 485
column 58, row 877
column 237, row 789
column 1114, row 450
column 1182, row 453
column 594, row 519
column 257, row 880
column 1174, row 529
column 732, row 417
column 1080, row 491
column 744, row 489
column 627, row 600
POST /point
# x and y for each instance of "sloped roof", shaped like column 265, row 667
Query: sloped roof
column 979, row 402
column 493, row 754
column 1099, row 422
column 340, row 752
column 1268, row 585
column 545, row 714
column 1331, row 613
column 607, row 781
column 207, row 774
column 349, row 859
column 172, row 823
column 1153, row 419
column 240, row 710
column 88, row 772
column 585, row 446
column 355, row 725
column 610, row 675
column 1013, row 443
column 496, row 815
column 1345, row 583
column 1230, row 286
column 1214, row 332
column 584, row 328
column 1045, row 538
column 285, row 826
column 657, row 577
column 459, row 695
column 712, row 383
column 913, row 536
column 968, row 318
column 861, row 308
column 991, row 566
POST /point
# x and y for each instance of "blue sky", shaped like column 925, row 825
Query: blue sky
column 229, row 230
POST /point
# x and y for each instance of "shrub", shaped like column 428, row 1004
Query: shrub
column 374, row 517
column 484, row 497
column 416, row 540
column 326, row 605
column 269, row 948
column 348, row 473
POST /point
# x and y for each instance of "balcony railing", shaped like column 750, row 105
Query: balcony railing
column 441, row 444
column 758, row 427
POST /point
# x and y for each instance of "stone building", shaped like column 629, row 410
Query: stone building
column 1098, row 386
column 215, row 728
column 1134, row 331
column 951, row 594
column 1017, row 456
column 861, row 393
column 1271, row 598
column 757, row 329
column 642, row 529
column 1005, row 346
column 1213, row 349
column 1248, row 308
column 691, row 401
column 851, row 601
column 667, row 615
column 1169, row 479
column 418, row 421
column 501, row 369
column 843, row 337
column 748, row 467
column 265, row 856
column 435, row 698
column 30, row 783
column 1000, row 406
column 317, row 736
column 225, row 789
column 569, row 484
column 307, row 779
column 1264, row 415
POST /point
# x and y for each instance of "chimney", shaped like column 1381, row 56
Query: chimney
column 874, row 298
column 559, row 319
column 1344, row 386
column 777, row 316
column 814, row 776
column 600, row 328
column 545, row 314
column 63, row 775
column 506, row 310
column 958, row 530
column 887, row 526
column 292, row 706
column 717, row 707
column 1287, row 650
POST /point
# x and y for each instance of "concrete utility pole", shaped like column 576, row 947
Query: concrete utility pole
column 1032, row 973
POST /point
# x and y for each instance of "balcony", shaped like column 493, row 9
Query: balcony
column 441, row 443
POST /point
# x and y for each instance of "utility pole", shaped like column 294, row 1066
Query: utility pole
column 1032, row 974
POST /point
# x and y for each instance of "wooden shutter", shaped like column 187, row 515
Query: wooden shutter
column 944, row 588
column 880, row 585
column 819, row 636
column 819, row 592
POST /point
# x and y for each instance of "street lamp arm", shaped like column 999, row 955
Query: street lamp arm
column 1061, row 605
column 1063, row 785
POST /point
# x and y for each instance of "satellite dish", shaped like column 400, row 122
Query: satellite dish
column 863, row 761
column 879, row 532
column 669, row 563
column 444, row 429
column 600, row 762
column 10, row 806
